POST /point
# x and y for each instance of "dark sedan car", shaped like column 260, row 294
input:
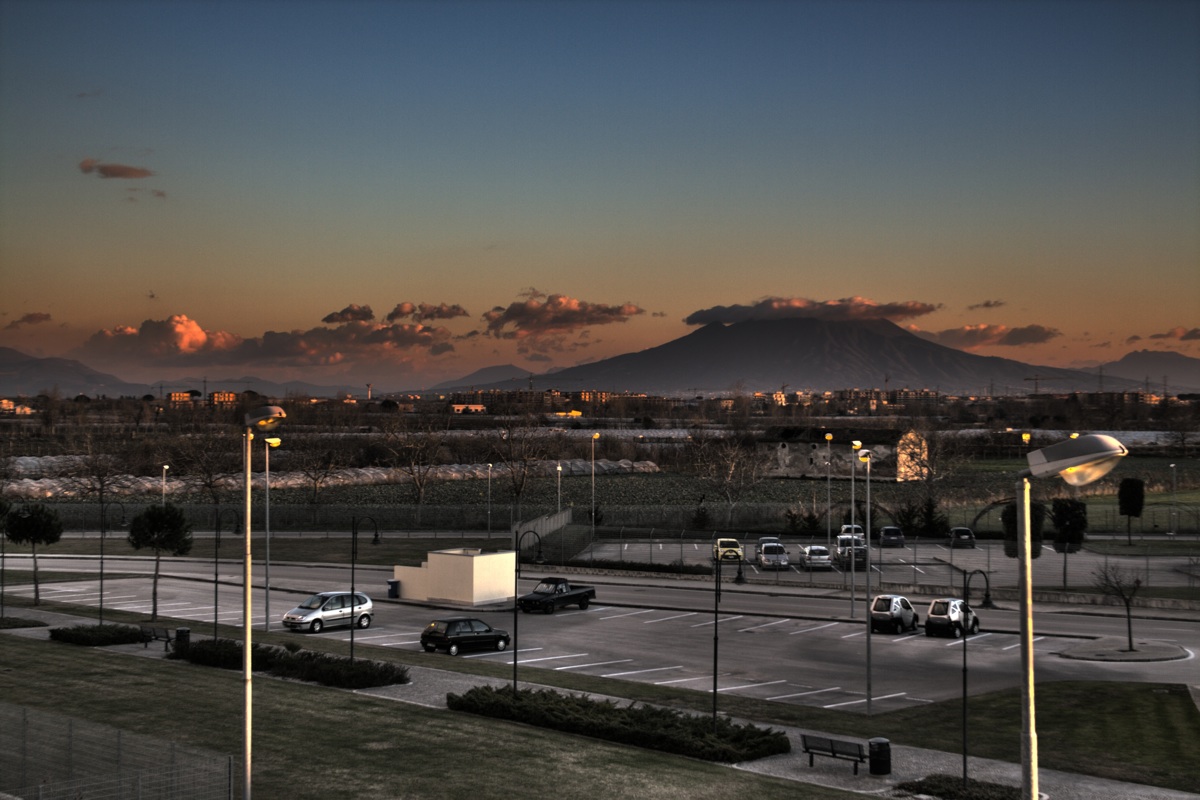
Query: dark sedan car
column 962, row 537
column 462, row 633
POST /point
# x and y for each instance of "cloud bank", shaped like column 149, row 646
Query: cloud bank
column 845, row 309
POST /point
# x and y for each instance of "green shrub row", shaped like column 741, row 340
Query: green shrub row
column 651, row 727
column 301, row 665
column 98, row 635
column 950, row 787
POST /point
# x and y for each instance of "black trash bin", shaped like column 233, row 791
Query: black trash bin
column 183, row 638
column 393, row 589
column 879, row 752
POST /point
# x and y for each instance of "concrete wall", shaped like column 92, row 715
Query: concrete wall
column 463, row 576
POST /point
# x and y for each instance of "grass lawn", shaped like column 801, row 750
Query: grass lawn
column 1081, row 725
column 315, row 742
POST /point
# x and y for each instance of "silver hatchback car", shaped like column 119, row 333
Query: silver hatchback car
column 329, row 609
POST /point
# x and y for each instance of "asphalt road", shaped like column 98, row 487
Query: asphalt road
column 787, row 643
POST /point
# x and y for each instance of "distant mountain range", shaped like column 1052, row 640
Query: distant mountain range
column 762, row 355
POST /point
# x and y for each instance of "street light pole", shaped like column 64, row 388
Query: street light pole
column 263, row 419
column 595, row 436
column 558, row 469
column 828, row 492
column 489, row 498
column 517, row 593
column 268, row 443
column 1078, row 461
column 353, row 562
column 1174, row 510
column 164, row 483
column 864, row 455
column 854, row 446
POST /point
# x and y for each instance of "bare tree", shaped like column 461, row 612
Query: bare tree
column 416, row 443
column 1113, row 581
column 728, row 465
column 520, row 446
column 317, row 458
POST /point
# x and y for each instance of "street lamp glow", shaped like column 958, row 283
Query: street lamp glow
column 595, row 436
column 164, row 483
column 864, row 456
column 264, row 418
column 1078, row 461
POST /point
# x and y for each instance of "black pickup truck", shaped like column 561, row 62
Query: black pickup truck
column 551, row 593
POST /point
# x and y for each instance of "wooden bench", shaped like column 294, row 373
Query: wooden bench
column 833, row 748
column 153, row 633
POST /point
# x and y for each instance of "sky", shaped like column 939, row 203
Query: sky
column 401, row 193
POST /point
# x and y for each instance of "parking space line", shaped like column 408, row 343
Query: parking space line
column 684, row 680
column 817, row 628
column 764, row 625
column 749, row 686
column 629, row 614
column 596, row 664
column 640, row 671
column 664, row 619
column 863, row 700
column 503, row 653
column 727, row 619
column 552, row 658
column 400, row 644
column 1018, row 644
column 852, row 635
column 960, row 641
column 805, row 694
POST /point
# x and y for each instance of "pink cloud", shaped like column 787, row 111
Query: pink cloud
column 90, row 165
column 847, row 308
column 970, row 337
column 351, row 313
column 557, row 316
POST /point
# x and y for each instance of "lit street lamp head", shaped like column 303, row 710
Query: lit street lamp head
column 1078, row 461
column 265, row 418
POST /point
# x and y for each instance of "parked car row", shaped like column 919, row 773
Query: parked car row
column 947, row 616
column 850, row 548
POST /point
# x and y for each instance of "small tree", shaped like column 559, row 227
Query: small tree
column 932, row 522
column 1008, row 520
column 1131, row 498
column 163, row 529
column 1114, row 581
column 33, row 526
column 1069, row 517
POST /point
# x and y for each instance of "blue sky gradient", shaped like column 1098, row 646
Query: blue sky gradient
column 221, row 188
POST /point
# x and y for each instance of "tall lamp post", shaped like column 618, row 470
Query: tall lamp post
column 489, row 498
column 987, row 594
column 595, row 436
column 1174, row 510
column 854, row 448
column 103, row 530
column 517, row 593
column 237, row 525
column 1078, row 461
column 164, row 483
column 864, row 456
column 263, row 419
column 828, row 491
column 268, row 443
column 353, row 561
column 558, row 469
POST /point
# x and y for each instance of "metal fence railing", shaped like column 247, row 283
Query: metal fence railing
column 47, row 756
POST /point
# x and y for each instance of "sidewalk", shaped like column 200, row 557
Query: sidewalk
column 430, row 686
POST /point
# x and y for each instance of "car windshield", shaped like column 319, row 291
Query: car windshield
column 773, row 549
column 882, row 604
column 818, row 551
column 545, row 587
column 940, row 608
column 316, row 601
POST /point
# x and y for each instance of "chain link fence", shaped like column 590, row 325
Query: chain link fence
column 47, row 756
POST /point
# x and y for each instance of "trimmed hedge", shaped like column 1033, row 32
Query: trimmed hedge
column 301, row 665
column 8, row 623
column 97, row 635
column 652, row 727
column 950, row 787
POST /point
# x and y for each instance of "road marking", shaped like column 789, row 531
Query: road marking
column 1018, row 644
column 551, row 658
column 640, row 671
column 852, row 635
column 683, row 680
column 805, row 694
column 727, row 619
column 817, row 628
column 400, row 644
column 856, row 702
column 664, row 619
column 749, row 686
column 629, row 614
column 764, row 625
column 960, row 641
column 596, row 664
column 502, row 653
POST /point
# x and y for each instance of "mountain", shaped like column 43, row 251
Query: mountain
column 27, row 376
column 1154, row 368
column 513, row 375
column 816, row 355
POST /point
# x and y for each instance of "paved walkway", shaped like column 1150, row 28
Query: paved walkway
column 430, row 686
